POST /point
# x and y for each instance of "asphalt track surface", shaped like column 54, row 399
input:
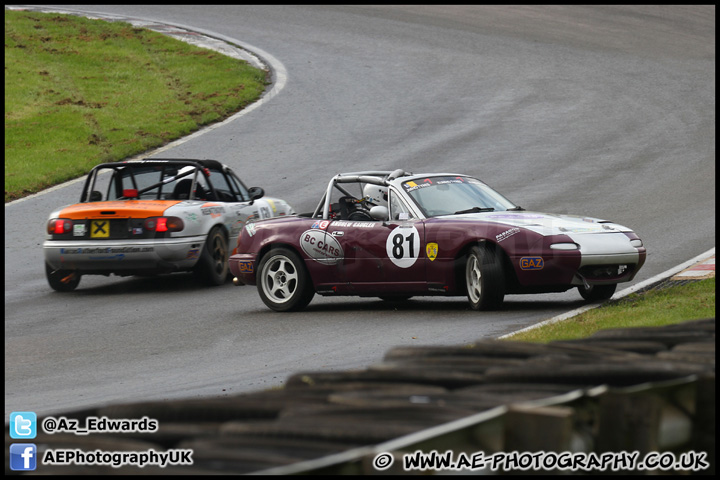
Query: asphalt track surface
column 605, row 111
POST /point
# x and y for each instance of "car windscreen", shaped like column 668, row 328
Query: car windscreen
column 446, row 195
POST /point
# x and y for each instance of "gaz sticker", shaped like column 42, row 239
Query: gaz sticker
column 532, row 263
column 245, row 266
column 403, row 246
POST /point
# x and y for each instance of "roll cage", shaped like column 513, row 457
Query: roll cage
column 381, row 178
column 126, row 180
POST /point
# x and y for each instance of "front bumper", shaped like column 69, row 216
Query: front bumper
column 242, row 267
column 601, row 259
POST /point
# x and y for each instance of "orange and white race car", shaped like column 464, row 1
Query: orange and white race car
column 153, row 216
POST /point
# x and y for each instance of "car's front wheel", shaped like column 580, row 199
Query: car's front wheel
column 284, row 284
column 62, row 280
column 597, row 293
column 212, row 267
column 484, row 278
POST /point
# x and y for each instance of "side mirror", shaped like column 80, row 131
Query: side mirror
column 255, row 193
column 379, row 212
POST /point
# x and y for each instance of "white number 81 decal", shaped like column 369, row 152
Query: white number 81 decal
column 403, row 246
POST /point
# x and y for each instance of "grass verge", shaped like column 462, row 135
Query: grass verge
column 674, row 304
column 79, row 92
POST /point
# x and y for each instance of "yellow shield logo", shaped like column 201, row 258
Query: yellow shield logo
column 432, row 251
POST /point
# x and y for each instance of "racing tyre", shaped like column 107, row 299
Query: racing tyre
column 596, row 293
column 485, row 279
column 284, row 284
column 62, row 280
column 212, row 268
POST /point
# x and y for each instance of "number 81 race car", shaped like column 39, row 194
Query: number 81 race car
column 153, row 216
column 395, row 235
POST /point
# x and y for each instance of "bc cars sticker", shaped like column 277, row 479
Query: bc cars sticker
column 321, row 247
column 403, row 246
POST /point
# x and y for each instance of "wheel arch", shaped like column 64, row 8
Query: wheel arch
column 225, row 233
column 461, row 257
column 222, row 228
column 293, row 248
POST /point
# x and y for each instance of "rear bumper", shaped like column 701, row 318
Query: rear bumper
column 124, row 257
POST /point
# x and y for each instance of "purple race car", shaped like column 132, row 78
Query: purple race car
column 395, row 235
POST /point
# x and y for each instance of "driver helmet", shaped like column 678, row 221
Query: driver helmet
column 376, row 194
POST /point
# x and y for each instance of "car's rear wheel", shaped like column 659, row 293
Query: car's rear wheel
column 62, row 280
column 212, row 267
column 484, row 278
column 597, row 293
column 284, row 284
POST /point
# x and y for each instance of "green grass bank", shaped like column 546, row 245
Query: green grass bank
column 79, row 92
column 654, row 308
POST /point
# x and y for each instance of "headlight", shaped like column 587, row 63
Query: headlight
column 636, row 242
column 564, row 246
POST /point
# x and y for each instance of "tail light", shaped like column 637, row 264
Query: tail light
column 59, row 226
column 164, row 224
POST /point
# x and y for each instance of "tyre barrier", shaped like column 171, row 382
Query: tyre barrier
column 623, row 390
